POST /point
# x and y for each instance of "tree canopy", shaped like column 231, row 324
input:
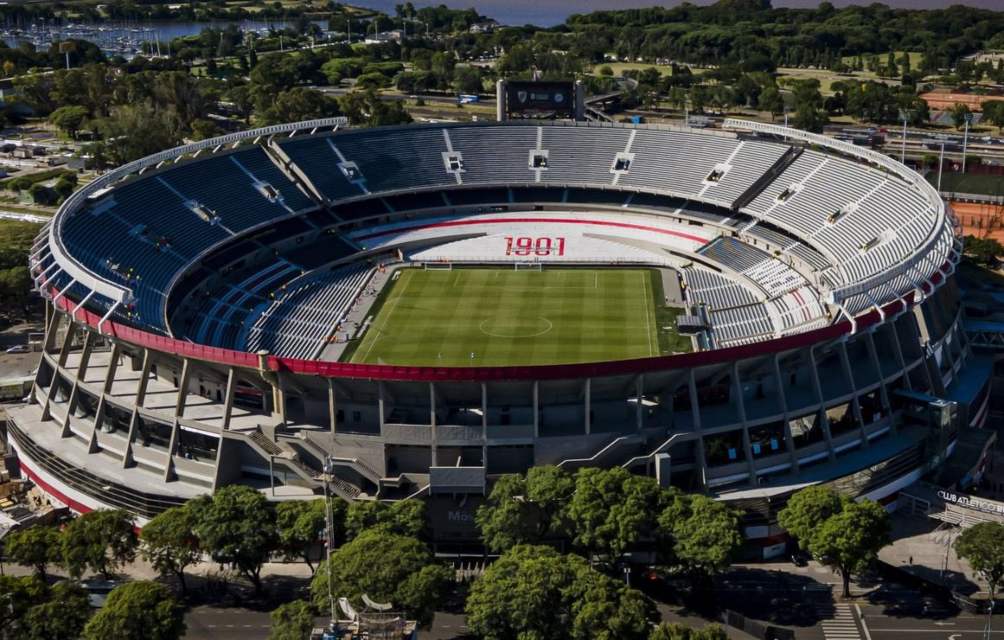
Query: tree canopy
column 841, row 533
column 536, row 592
column 236, row 525
column 170, row 543
column 387, row 567
column 137, row 610
column 982, row 546
column 35, row 547
column 99, row 541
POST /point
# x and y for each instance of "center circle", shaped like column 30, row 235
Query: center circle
column 515, row 327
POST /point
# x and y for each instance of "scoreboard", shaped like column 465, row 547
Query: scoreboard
column 538, row 99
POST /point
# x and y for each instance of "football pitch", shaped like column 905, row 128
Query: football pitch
column 494, row 317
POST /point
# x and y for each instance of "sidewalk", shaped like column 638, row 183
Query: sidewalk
column 923, row 548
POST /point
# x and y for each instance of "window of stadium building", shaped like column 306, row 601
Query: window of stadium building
column 871, row 406
column 807, row 430
column 723, row 449
column 86, row 405
column 116, row 419
column 767, row 439
column 842, row 419
column 150, row 433
column 197, row 446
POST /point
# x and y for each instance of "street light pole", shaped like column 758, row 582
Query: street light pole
column 941, row 163
column 965, row 141
column 329, row 539
column 902, row 149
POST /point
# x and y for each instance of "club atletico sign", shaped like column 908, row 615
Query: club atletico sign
column 970, row 502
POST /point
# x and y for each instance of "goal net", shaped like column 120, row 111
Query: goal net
column 439, row 266
column 528, row 266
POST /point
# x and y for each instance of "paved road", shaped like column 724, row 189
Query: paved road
column 227, row 624
column 883, row 625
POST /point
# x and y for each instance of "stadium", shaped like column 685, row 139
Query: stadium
column 740, row 311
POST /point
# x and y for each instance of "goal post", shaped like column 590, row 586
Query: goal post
column 438, row 266
column 528, row 266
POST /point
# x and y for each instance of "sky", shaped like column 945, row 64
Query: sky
column 551, row 12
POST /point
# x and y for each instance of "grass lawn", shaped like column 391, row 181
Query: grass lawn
column 969, row 183
column 509, row 317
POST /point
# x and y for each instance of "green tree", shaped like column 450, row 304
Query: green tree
column 69, row 118
column 982, row 546
column 993, row 112
column 849, row 541
column 137, row 610
column 35, row 547
column 982, row 250
column 297, row 104
column 404, row 517
column 170, row 544
column 611, row 509
column 387, row 567
column 42, row 194
column 525, row 509
column 236, row 526
column 301, row 527
column 365, row 108
column 292, row 621
column 807, row 509
column 17, row 596
column 63, row 614
column 535, row 592
column 960, row 114
column 100, row 541
column 705, row 533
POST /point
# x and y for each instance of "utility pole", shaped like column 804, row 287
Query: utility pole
column 965, row 141
column 329, row 538
column 941, row 162
column 902, row 150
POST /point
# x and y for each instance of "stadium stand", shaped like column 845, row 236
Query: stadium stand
column 298, row 323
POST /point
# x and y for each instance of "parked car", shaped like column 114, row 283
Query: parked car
column 19, row 348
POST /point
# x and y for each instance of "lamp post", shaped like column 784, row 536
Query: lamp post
column 941, row 162
column 965, row 141
column 902, row 148
column 329, row 538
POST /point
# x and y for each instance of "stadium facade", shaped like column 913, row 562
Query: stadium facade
column 197, row 301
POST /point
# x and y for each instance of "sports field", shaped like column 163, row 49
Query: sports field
column 492, row 317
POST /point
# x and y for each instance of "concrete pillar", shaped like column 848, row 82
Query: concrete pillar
column 332, row 408
column 900, row 360
column 536, row 409
column 484, row 425
column 845, row 363
column 740, row 401
column 639, row 409
column 823, row 419
column 228, row 398
column 172, row 445
column 789, row 441
column 85, row 353
column 182, row 397
column 873, row 355
column 380, row 405
column 432, row 423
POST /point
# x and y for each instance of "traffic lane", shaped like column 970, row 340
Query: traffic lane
column 209, row 623
column 961, row 627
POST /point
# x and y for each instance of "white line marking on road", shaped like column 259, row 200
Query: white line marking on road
column 864, row 625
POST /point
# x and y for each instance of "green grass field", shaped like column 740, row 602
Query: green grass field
column 509, row 317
